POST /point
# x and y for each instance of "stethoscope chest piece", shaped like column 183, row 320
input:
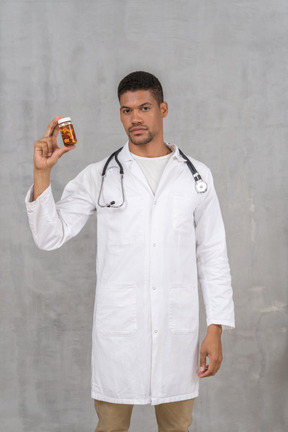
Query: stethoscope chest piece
column 201, row 186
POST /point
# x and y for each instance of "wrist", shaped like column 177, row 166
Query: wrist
column 41, row 181
column 215, row 329
column 42, row 172
column 41, row 176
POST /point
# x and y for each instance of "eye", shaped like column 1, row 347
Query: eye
column 126, row 111
column 146, row 108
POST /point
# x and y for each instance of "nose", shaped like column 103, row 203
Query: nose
column 135, row 117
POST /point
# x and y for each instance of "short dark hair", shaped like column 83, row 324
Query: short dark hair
column 141, row 81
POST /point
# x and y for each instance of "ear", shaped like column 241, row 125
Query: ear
column 164, row 109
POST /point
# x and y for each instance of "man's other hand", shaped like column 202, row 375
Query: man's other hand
column 212, row 348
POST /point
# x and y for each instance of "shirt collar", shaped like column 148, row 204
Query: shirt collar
column 125, row 155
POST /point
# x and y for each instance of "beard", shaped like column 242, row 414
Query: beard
column 142, row 141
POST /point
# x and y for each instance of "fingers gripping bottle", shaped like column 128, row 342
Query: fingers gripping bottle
column 67, row 131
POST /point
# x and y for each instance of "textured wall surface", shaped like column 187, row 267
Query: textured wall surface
column 224, row 66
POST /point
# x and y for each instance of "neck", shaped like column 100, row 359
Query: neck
column 149, row 150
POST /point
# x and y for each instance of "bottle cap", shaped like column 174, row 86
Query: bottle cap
column 63, row 120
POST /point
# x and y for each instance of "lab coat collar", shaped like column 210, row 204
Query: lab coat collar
column 126, row 156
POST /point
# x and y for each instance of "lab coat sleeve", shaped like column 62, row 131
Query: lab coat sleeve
column 212, row 261
column 52, row 224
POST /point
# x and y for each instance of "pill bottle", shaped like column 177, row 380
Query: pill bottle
column 67, row 131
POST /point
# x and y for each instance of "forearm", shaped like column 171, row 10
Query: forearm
column 41, row 181
column 52, row 224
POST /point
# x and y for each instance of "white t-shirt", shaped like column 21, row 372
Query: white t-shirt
column 152, row 168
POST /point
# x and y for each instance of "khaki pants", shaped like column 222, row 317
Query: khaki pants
column 171, row 417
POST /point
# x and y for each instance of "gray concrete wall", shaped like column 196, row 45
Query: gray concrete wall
column 224, row 68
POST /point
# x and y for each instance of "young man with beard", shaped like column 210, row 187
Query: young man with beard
column 156, row 236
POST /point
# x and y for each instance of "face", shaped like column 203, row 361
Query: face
column 142, row 116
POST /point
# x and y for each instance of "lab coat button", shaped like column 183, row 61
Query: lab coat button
column 155, row 331
column 154, row 288
column 154, row 244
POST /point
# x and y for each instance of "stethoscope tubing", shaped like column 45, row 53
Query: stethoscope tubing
column 200, row 184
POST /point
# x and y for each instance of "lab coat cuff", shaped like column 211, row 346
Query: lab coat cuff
column 30, row 204
column 226, row 324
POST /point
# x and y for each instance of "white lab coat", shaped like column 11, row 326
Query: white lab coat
column 150, row 253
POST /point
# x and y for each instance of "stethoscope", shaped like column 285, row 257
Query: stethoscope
column 200, row 184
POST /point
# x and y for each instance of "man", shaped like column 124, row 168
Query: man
column 156, row 235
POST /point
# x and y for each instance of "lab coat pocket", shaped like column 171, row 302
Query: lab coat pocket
column 125, row 224
column 183, row 213
column 183, row 308
column 116, row 309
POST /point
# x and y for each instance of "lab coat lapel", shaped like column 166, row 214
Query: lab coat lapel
column 166, row 177
column 140, row 178
column 171, row 170
column 132, row 167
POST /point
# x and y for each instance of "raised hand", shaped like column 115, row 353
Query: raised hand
column 46, row 150
column 46, row 154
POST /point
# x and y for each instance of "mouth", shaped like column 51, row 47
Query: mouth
column 137, row 130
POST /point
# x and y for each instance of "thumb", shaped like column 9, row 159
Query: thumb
column 202, row 361
column 57, row 153
column 64, row 149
